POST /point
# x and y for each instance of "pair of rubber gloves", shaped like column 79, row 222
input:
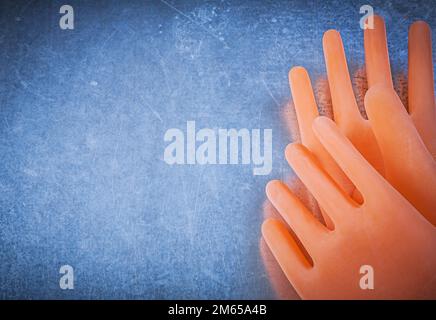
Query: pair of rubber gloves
column 374, row 180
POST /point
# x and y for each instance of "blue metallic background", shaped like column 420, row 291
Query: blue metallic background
column 83, row 113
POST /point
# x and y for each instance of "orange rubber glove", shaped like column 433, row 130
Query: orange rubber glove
column 385, row 232
column 355, row 127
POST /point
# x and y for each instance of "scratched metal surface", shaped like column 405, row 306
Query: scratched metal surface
column 82, row 117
